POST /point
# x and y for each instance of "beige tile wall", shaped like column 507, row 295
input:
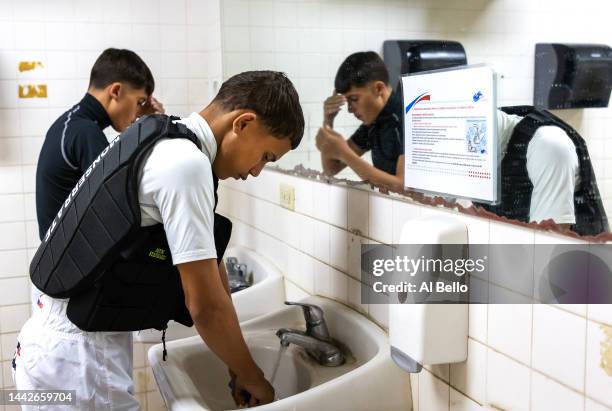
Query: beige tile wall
column 520, row 357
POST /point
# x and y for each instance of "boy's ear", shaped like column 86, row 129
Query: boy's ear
column 379, row 87
column 242, row 121
column 114, row 90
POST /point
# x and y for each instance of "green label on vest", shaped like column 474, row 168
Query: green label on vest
column 158, row 253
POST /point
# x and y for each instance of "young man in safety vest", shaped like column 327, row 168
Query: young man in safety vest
column 255, row 118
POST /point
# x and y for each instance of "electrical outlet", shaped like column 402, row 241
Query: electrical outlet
column 287, row 196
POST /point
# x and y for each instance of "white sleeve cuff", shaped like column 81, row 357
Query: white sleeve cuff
column 194, row 255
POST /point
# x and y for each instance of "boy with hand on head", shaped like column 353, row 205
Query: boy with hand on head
column 120, row 90
column 546, row 172
column 255, row 118
column 362, row 82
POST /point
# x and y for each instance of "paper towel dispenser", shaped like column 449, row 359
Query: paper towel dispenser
column 572, row 75
column 412, row 56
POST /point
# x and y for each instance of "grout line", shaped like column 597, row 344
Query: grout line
column 598, row 402
column 17, row 249
column 531, row 358
column 367, row 238
column 2, row 361
column 286, row 278
column 363, row 187
column 486, row 388
column 13, row 305
column 485, row 344
column 14, row 277
column 580, row 316
column 449, row 388
column 447, row 384
column 348, row 232
column 538, row 371
column 586, row 355
column 583, row 394
column 25, row 228
column 463, row 393
column 289, row 245
column 586, row 351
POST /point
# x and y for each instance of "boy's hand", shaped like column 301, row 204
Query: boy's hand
column 331, row 107
column 151, row 106
column 232, row 385
column 260, row 389
column 331, row 143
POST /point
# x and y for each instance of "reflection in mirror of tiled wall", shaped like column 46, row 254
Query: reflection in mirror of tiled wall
column 309, row 39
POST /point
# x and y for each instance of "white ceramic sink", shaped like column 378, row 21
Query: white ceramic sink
column 265, row 295
column 193, row 378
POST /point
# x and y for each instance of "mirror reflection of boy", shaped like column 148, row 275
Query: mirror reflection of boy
column 362, row 82
column 546, row 172
column 552, row 177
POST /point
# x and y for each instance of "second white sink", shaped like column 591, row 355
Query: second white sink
column 265, row 295
column 193, row 378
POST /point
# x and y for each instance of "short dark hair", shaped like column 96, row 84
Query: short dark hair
column 360, row 68
column 271, row 95
column 124, row 66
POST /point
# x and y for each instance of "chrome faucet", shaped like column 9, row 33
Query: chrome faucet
column 237, row 275
column 231, row 265
column 315, row 339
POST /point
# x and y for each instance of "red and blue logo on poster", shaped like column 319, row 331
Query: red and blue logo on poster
column 424, row 96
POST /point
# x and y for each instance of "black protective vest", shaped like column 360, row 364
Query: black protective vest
column 118, row 275
column 516, row 187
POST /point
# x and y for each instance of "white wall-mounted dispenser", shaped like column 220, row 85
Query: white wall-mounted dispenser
column 429, row 333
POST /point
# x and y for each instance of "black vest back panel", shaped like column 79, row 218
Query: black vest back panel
column 100, row 214
column 516, row 187
column 119, row 276
column 142, row 289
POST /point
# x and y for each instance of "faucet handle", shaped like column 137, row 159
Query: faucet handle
column 312, row 313
column 315, row 324
column 241, row 269
column 230, row 265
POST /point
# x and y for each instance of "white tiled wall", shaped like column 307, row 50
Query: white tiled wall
column 180, row 40
column 308, row 39
column 520, row 357
column 516, row 360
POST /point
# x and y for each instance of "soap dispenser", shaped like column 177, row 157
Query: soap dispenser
column 428, row 334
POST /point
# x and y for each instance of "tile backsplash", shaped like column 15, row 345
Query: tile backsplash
column 520, row 357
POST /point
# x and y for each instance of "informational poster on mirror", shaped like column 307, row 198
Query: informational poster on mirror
column 450, row 133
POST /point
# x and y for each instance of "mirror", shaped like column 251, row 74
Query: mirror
column 311, row 43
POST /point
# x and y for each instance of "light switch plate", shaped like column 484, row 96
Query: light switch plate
column 287, row 196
